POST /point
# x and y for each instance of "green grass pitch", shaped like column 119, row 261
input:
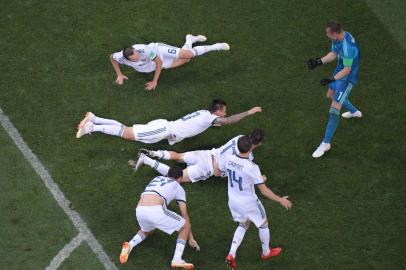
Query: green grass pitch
column 349, row 206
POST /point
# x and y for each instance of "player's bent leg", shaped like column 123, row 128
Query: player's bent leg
column 330, row 93
column 177, row 261
column 264, row 236
column 127, row 247
column 179, row 62
column 237, row 239
column 186, row 54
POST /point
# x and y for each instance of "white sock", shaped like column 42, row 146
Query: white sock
column 163, row 154
column 238, row 237
column 109, row 129
column 200, row 50
column 138, row 238
column 158, row 166
column 264, row 236
column 103, row 121
column 180, row 246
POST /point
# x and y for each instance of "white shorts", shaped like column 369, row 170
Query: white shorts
column 151, row 132
column 253, row 211
column 199, row 164
column 167, row 53
column 158, row 217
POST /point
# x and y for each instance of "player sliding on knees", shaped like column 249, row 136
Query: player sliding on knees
column 244, row 204
column 345, row 77
column 157, row 56
column 152, row 213
column 161, row 129
column 201, row 164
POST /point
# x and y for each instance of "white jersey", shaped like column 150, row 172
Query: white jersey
column 168, row 188
column 146, row 62
column 229, row 148
column 243, row 175
column 191, row 125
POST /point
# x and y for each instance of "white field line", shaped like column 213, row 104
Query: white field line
column 64, row 253
column 60, row 198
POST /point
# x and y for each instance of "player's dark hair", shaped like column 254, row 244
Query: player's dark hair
column 217, row 104
column 175, row 172
column 244, row 144
column 257, row 136
column 334, row 27
column 127, row 52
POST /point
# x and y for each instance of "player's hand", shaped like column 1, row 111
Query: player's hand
column 312, row 63
column 193, row 244
column 254, row 110
column 151, row 85
column 285, row 202
column 120, row 79
column 264, row 178
column 326, row 81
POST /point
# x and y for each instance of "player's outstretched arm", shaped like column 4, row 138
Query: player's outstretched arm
column 120, row 77
column 270, row 195
column 183, row 212
column 222, row 121
column 152, row 84
column 312, row 63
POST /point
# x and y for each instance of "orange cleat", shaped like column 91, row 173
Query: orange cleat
column 272, row 253
column 125, row 251
column 231, row 263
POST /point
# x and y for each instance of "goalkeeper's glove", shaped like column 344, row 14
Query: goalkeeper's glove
column 312, row 63
column 327, row 81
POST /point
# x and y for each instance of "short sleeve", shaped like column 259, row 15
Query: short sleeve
column 257, row 176
column 118, row 56
column 180, row 194
column 150, row 52
column 334, row 48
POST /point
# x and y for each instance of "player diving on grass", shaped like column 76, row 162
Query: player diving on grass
column 345, row 49
column 154, row 57
column 152, row 213
column 201, row 164
column 243, row 176
column 174, row 131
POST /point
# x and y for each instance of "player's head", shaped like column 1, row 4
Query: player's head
column 256, row 136
column 218, row 107
column 130, row 54
column 175, row 172
column 244, row 144
column 334, row 30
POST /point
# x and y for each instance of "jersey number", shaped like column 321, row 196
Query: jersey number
column 233, row 178
column 172, row 51
column 160, row 181
column 190, row 116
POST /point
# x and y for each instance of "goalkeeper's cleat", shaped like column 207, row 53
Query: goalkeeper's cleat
column 86, row 129
column 194, row 39
column 88, row 117
column 125, row 251
column 347, row 115
column 323, row 148
column 182, row 264
column 272, row 253
column 231, row 263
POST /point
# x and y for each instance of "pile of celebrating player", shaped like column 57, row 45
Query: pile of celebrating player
column 233, row 160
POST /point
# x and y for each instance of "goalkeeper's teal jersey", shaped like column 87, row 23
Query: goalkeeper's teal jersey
column 348, row 55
